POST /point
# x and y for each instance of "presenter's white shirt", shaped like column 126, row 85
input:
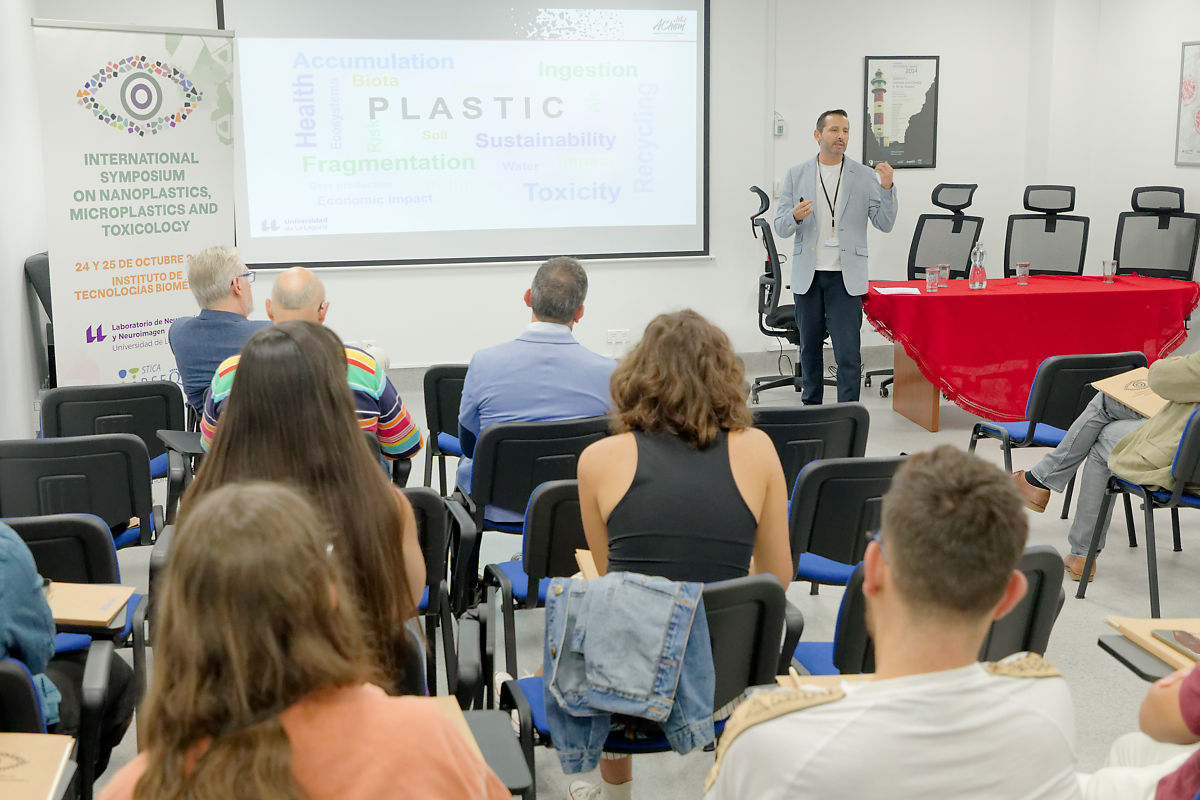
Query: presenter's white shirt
column 829, row 258
column 954, row 734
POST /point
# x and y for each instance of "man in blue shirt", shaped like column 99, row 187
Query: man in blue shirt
column 543, row 374
column 220, row 283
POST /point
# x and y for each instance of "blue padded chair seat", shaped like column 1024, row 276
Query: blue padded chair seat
column 1042, row 434
column 424, row 604
column 825, row 570
column 616, row 743
column 129, row 536
column 449, row 444
column 68, row 642
column 816, row 657
column 520, row 581
column 158, row 466
column 1162, row 496
column 507, row 527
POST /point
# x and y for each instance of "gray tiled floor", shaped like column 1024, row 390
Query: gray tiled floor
column 1106, row 695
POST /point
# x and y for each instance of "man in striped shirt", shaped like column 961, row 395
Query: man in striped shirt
column 299, row 294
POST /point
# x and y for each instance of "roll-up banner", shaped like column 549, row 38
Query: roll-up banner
column 137, row 135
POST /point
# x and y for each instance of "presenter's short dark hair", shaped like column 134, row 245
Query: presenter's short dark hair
column 841, row 112
column 558, row 290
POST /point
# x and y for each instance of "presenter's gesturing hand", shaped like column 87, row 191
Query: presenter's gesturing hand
column 884, row 171
column 802, row 210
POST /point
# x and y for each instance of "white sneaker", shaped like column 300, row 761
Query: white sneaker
column 582, row 790
column 498, row 680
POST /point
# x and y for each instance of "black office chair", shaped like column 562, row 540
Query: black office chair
column 940, row 239
column 745, row 618
column 443, row 385
column 41, row 315
column 107, row 475
column 808, row 433
column 774, row 319
column 1051, row 241
column 142, row 409
column 433, row 532
column 1061, row 388
column 1158, row 238
column 511, row 460
column 1025, row 628
column 21, row 712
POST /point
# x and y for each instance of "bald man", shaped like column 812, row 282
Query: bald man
column 299, row 295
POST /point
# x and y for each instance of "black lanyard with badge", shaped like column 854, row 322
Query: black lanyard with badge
column 832, row 240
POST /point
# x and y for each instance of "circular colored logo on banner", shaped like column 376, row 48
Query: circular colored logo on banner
column 141, row 95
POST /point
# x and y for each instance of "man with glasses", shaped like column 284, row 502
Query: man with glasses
column 220, row 283
column 932, row 721
column 299, row 295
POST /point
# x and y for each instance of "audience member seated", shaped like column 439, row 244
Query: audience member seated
column 299, row 295
column 687, row 489
column 290, row 418
column 1161, row 762
column 933, row 722
column 1112, row 438
column 27, row 634
column 220, row 283
column 543, row 374
column 263, row 681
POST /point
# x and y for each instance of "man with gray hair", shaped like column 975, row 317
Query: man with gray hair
column 220, row 282
column 543, row 374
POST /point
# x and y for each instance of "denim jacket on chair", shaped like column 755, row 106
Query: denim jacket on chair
column 625, row 644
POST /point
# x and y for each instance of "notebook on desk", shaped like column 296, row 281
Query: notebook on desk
column 32, row 764
column 1132, row 389
column 87, row 604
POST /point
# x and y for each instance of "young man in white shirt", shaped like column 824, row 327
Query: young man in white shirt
column 932, row 722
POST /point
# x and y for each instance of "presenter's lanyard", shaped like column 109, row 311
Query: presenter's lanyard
column 838, row 188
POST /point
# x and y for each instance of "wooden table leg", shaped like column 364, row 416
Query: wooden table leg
column 913, row 395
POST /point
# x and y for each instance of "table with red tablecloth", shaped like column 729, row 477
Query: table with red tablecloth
column 981, row 347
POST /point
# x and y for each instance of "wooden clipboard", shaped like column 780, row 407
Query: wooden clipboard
column 94, row 605
column 1132, row 389
column 32, row 764
column 1138, row 631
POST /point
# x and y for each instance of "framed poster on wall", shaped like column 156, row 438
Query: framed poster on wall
column 1187, row 130
column 900, row 101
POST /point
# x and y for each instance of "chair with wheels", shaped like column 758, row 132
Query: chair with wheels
column 774, row 319
column 807, row 433
column 21, row 711
column 745, row 619
column 1185, row 469
column 940, row 239
column 511, row 460
column 1157, row 239
column 1026, row 627
column 1050, row 241
column 1062, row 387
column 107, row 475
column 142, row 409
column 443, row 385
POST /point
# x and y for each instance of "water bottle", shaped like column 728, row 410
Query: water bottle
column 977, row 278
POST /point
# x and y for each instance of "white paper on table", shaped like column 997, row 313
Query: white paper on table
column 898, row 290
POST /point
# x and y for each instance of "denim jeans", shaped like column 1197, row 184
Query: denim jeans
column 625, row 644
column 1092, row 436
column 828, row 308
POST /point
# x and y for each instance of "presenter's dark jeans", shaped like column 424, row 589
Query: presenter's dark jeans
column 827, row 308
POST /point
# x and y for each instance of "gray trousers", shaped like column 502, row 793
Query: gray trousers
column 1092, row 436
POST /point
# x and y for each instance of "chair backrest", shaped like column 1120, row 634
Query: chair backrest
column 836, row 502
column 107, row 475
column 745, row 623
column 1158, row 238
column 1050, row 241
column 945, row 238
column 1024, row 628
column 433, row 521
column 553, row 532
column 1062, row 386
column 414, row 681
column 513, row 458
column 138, row 408
column 807, row 433
column 770, row 283
column 443, row 386
column 70, row 548
column 20, row 711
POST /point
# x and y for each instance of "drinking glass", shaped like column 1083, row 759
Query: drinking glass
column 931, row 279
column 1109, row 270
column 944, row 274
column 1022, row 273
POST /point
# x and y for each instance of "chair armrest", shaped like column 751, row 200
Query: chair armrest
column 157, row 523
column 513, row 699
column 793, row 629
column 449, row 646
column 464, row 539
column 139, row 648
column 177, row 480
column 469, row 665
column 160, row 554
column 93, row 693
column 401, row 469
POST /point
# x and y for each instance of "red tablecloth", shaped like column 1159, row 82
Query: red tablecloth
column 982, row 347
